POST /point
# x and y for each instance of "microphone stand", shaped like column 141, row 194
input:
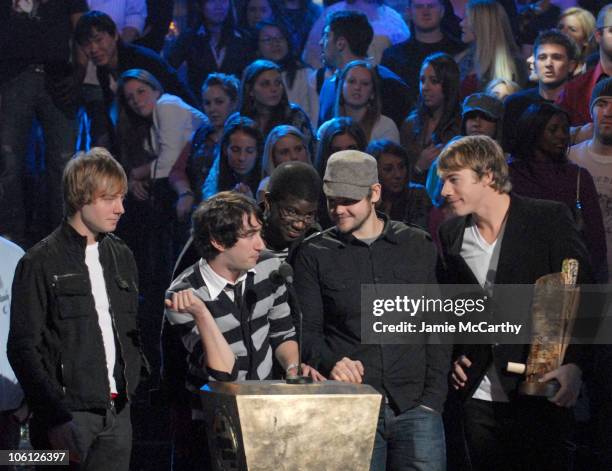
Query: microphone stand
column 299, row 379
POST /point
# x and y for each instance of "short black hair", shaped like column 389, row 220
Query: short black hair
column 353, row 26
column 90, row 21
column 554, row 36
column 297, row 180
column 220, row 218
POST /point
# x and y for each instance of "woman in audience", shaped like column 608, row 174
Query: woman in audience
column 358, row 97
column 153, row 129
column 284, row 144
column 501, row 88
column 213, row 44
column 238, row 163
column 264, row 99
column 340, row 134
column 400, row 200
column 437, row 116
column 298, row 78
column 579, row 24
column 539, row 168
column 492, row 51
column 220, row 100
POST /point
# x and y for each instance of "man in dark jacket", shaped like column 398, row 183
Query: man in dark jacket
column 74, row 340
column 366, row 247
column 501, row 238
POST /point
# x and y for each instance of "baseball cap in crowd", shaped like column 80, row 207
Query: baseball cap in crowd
column 487, row 104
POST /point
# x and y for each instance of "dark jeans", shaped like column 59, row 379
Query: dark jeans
column 526, row 434
column 412, row 440
column 23, row 99
column 105, row 438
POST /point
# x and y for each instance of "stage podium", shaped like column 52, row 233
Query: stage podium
column 273, row 426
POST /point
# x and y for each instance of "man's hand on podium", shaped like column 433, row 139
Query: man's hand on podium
column 349, row 371
column 306, row 371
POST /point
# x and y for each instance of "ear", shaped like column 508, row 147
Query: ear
column 217, row 245
column 487, row 179
column 341, row 43
column 376, row 192
column 597, row 36
column 571, row 65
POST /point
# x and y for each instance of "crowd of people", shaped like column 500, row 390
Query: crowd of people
column 342, row 139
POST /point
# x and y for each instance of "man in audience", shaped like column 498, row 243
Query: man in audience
column 330, row 268
column 36, row 82
column 501, row 238
column 129, row 17
column 554, row 61
column 97, row 36
column 405, row 59
column 74, row 341
column 596, row 154
column 573, row 99
column 346, row 38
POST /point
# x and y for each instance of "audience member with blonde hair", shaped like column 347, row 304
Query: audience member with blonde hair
column 579, row 24
column 493, row 53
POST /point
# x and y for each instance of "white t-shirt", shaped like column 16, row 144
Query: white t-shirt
column 600, row 167
column 482, row 259
column 11, row 394
column 98, row 288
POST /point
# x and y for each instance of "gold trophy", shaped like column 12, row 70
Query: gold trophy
column 553, row 313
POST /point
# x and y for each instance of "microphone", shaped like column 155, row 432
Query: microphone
column 284, row 275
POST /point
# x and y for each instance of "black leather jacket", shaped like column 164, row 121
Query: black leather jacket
column 55, row 343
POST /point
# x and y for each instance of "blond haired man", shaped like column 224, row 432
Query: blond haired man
column 501, row 238
column 74, row 341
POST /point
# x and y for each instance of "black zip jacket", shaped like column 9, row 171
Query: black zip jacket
column 55, row 343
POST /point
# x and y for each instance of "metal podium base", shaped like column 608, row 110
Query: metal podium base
column 269, row 425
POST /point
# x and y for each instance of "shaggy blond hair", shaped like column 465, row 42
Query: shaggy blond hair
column 89, row 175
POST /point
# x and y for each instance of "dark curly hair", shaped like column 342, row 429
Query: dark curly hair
column 221, row 218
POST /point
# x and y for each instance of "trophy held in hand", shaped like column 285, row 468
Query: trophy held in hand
column 553, row 312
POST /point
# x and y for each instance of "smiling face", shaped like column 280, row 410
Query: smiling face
column 393, row 173
column 358, row 87
column 140, row 97
column 217, row 105
column 268, row 89
column 101, row 48
column 349, row 215
column 431, row 88
column 464, row 192
column 289, row 148
column 272, row 44
column 554, row 139
column 291, row 217
column 241, row 153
